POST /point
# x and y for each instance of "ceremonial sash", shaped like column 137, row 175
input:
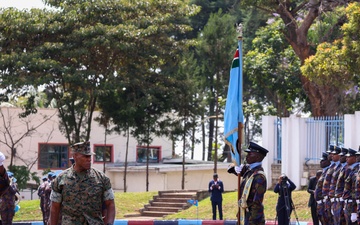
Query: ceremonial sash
column 245, row 195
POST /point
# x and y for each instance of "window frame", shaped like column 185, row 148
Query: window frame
column 159, row 148
column 111, row 153
column 56, row 144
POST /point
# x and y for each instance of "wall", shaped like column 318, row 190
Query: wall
column 293, row 142
column 169, row 177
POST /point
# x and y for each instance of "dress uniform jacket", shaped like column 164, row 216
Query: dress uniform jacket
column 7, row 199
column 254, row 214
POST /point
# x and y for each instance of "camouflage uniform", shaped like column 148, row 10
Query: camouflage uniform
column 254, row 214
column 81, row 195
column 7, row 199
column 325, row 193
column 318, row 194
column 339, row 201
column 44, row 191
column 349, row 193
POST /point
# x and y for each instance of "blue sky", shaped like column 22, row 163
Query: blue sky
column 22, row 4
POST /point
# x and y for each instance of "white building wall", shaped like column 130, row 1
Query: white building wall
column 293, row 142
column 268, row 142
column 352, row 130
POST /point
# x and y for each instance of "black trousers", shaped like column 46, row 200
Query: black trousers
column 314, row 214
column 219, row 205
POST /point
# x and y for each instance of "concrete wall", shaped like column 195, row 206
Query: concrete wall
column 169, row 177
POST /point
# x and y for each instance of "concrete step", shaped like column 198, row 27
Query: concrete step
column 154, row 214
column 162, row 209
column 176, row 200
column 169, row 204
column 178, row 195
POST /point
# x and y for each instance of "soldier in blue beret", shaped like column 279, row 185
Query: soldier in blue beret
column 86, row 191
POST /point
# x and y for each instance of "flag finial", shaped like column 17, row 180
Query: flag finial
column 239, row 29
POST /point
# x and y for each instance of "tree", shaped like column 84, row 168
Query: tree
column 274, row 70
column 215, row 49
column 76, row 49
column 298, row 17
column 334, row 66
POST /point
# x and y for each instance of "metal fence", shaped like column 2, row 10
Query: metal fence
column 320, row 133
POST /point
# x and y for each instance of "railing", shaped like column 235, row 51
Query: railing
column 320, row 133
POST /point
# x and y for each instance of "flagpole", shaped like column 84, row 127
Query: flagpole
column 240, row 124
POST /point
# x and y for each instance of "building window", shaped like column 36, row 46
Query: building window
column 53, row 156
column 103, row 153
column 154, row 154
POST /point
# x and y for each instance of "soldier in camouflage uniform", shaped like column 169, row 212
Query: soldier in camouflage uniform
column 334, row 178
column 349, row 189
column 80, row 192
column 253, row 186
column 44, row 199
column 318, row 193
column 338, row 204
column 7, row 194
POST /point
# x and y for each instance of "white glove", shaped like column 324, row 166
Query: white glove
column 239, row 168
column 353, row 217
column 2, row 158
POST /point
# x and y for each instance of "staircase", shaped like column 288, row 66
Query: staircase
column 169, row 202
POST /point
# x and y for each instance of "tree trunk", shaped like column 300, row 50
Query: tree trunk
column 126, row 157
column 322, row 100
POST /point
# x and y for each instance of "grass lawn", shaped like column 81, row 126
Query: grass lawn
column 132, row 202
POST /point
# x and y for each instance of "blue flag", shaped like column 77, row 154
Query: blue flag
column 193, row 202
column 233, row 109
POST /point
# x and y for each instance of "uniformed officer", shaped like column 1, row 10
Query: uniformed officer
column 332, row 185
column 338, row 204
column 327, row 180
column 44, row 199
column 7, row 194
column 318, row 193
column 253, row 186
column 86, row 189
column 349, row 189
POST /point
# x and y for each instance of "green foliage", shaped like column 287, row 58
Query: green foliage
column 351, row 40
column 23, row 175
column 83, row 49
column 334, row 64
column 273, row 70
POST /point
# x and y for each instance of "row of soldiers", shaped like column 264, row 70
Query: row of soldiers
column 337, row 191
column 44, row 192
